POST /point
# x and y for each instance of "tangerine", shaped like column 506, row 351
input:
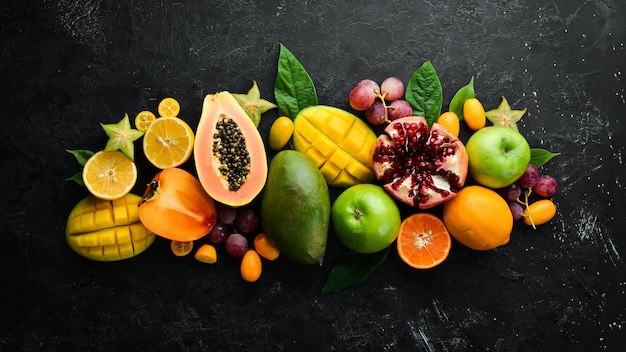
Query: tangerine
column 169, row 107
column 423, row 241
column 181, row 248
column 478, row 218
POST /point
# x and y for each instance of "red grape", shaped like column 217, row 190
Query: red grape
column 399, row 108
column 376, row 113
column 236, row 245
column 530, row 177
column 246, row 221
column 364, row 94
column 226, row 214
column 510, row 193
column 392, row 88
column 219, row 232
column 545, row 187
column 516, row 210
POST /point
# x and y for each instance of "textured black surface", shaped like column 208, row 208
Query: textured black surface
column 66, row 66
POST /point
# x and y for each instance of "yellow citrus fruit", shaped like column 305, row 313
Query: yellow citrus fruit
column 478, row 218
column 539, row 212
column 206, row 254
column 169, row 107
column 450, row 121
column 143, row 120
column 109, row 174
column 280, row 132
column 474, row 114
column 180, row 248
column 168, row 142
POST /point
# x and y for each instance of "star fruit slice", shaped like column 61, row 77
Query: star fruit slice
column 121, row 137
column 504, row 116
column 253, row 105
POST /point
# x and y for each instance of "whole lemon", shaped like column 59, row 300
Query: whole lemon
column 478, row 218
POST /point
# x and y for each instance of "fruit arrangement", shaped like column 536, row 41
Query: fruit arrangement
column 396, row 150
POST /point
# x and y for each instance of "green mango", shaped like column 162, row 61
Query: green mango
column 295, row 207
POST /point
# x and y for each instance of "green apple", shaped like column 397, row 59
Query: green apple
column 497, row 155
column 365, row 218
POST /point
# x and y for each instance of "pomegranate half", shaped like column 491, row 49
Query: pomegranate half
column 419, row 166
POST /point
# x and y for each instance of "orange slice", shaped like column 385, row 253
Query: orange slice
column 424, row 241
column 109, row 174
column 168, row 142
column 180, row 248
column 143, row 120
column 169, row 107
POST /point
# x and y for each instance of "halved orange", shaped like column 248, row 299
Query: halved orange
column 143, row 120
column 109, row 174
column 180, row 248
column 206, row 254
column 423, row 241
column 169, row 107
column 168, row 142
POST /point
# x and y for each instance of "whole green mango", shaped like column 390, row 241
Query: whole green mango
column 295, row 207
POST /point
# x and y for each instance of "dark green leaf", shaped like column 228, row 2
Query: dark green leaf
column 77, row 177
column 293, row 89
column 466, row 92
column 352, row 269
column 424, row 93
column 81, row 155
column 539, row 157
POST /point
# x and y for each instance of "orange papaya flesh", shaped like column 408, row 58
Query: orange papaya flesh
column 338, row 142
column 105, row 230
column 176, row 206
column 229, row 152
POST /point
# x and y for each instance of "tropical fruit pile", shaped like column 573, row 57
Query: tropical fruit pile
column 398, row 149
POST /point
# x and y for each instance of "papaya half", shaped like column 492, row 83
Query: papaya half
column 229, row 153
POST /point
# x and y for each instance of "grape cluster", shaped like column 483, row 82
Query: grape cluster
column 381, row 103
column 233, row 224
column 531, row 181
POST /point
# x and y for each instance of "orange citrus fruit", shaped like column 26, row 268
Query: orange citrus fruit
column 180, row 248
column 451, row 122
column 280, row 132
column 109, row 174
column 206, row 254
column 479, row 218
column 423, row 241
column 474, row 114
column 168, row 107
column 264, row 246
column 143, row 120
column 168, row 142
column 251, row 266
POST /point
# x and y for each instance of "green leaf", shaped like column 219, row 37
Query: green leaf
column 540, row 157
column 81, row 155
column 352, row 269
column 466, row 92
column 77, row 177
column 424, row 93
column 293, row 89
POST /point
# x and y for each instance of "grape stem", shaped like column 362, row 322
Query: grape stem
column 382, row 96
column 527, row 194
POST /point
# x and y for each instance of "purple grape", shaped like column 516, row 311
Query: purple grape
column 530, row 177
column 392, row 88
column 236, row 245
column 510, row 193
column 516, row 210
column 226, row 214
column 364, row 94
column 219, row 232
column 376, row 113
column 246, row 221
column 399, row 108
column 546, row 186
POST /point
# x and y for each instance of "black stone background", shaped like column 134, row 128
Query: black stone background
column 68, row 65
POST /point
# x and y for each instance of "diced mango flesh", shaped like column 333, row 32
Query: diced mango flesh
column 107, row 230
column 339, row 144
